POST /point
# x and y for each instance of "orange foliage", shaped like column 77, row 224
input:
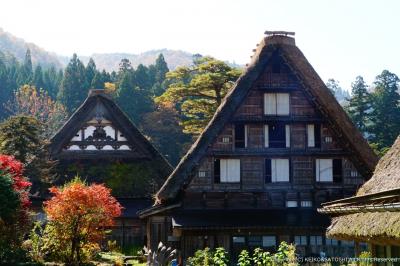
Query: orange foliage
column 80, row 213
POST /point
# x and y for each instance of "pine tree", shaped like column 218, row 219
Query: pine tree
column 132, row 100
column 97, row 81
column 90, row 71
column 359, row 104
column 6, row 92
column 385, row 115
column 157, row 76
column 38, row 78
column 74, row 87
column 20, row 136
column 52, row 81
column 141, row 78
column 161, row 68
column 198, row 90
column 25, row 72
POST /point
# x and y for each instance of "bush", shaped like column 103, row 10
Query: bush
column 285, row 256
column 244, row 258
column 202, row 258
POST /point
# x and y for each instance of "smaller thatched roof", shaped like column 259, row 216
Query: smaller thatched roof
column 373, row 215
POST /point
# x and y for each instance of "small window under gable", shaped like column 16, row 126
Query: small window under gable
column 276, row 104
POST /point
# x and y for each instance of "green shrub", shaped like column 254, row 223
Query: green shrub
column 202, row 257
column 220, row 257
column 244, row 258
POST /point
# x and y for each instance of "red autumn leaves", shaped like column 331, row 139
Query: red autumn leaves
column 15, row 168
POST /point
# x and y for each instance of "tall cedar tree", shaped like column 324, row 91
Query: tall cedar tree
column 157, row 73
column 25, row 72
column 6, row 89
column 359, row 104
column 38, row 78
column 198, row 90
column 133, row 93
column 385, row 115
column 90, row 71
column 20, row 136
column 74, row 87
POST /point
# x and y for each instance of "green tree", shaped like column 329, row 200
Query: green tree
column 198, row 90
column 340, row 94
column 157, row 76
column 20, row 136
column 6, row 90
column 90, row 71
column 74, row 87
column 163, row 129
column 385, row 115
column 359, row 104
column 38, row 78
column 133, row 100
column 97, row 81
column 52, row 81
column 26, row 71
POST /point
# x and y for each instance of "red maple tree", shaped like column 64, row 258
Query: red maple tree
column 15, row 168
column 79, row 214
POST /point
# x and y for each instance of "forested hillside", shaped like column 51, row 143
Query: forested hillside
column 110, row 61
column 11, row 46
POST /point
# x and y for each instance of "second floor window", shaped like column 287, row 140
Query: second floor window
column 276, row 104
column 277, row 135
column 241, row 135
column 276, row 170
column 328, row 170
column 313, row 135
column 227, row 170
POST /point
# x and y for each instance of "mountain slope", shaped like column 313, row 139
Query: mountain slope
column 11, row 45
column 110, row 61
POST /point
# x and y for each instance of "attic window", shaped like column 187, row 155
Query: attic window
column 276, row 104
column 225, row 140
column 306, row 203
column 354, row 173
column 202, row 173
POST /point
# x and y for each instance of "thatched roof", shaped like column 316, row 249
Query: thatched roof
column 363, row 157
column 144, row 150
column 387, row 172
column 373, row 215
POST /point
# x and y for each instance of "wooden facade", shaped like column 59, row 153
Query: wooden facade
column 278, row 147
column 100, row 144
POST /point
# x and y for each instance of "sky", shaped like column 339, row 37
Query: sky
column 340, row 38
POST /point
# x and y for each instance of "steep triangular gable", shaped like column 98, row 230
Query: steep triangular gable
column 99, row 129
column 363, row 157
